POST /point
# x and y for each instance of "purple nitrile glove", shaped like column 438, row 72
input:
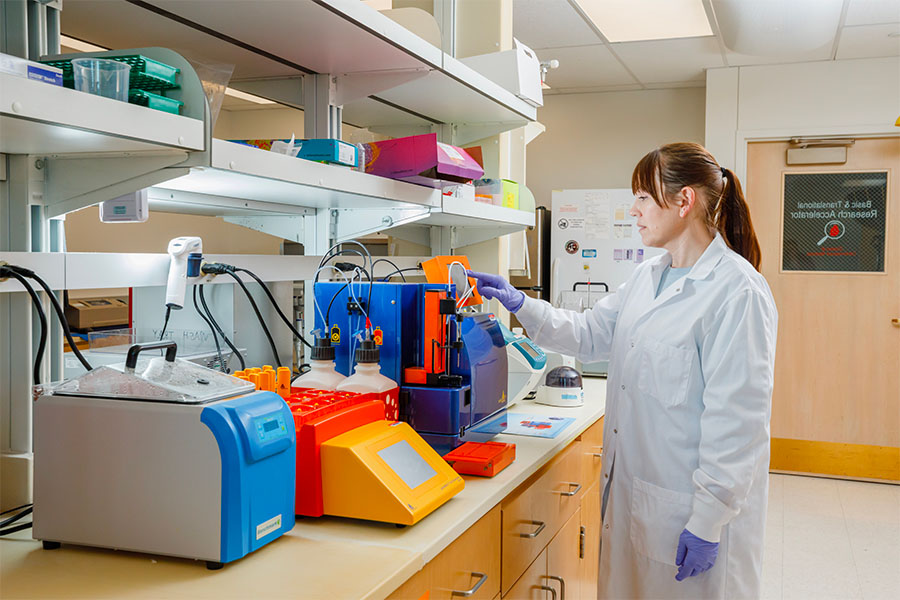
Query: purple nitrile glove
column 694, row 555
column 494, row 286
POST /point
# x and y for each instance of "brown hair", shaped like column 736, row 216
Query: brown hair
column 663, row 172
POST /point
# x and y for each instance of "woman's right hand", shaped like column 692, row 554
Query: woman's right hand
column 494, row 286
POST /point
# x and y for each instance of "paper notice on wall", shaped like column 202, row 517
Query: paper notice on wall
column 619, row 254
column 597, row 207
column 622, row 231
column 622, row 212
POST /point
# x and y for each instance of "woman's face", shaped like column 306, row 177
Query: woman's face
column 657, row 225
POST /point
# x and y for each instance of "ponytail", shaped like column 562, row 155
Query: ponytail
column 664, row 171
column 733, row 220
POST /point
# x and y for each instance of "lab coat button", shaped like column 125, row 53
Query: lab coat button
column 606, row 475
column 623, row 387
column 607, row 525
column 615, row 431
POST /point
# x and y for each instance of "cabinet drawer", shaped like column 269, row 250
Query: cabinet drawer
column 592, row 452
column 472, row 559
column 533, row 514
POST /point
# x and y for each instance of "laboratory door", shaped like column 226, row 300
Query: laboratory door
column 836, row 403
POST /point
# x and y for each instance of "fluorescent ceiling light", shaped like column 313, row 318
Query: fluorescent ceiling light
column 74, row 44
column 633, row 20
column 245, row 96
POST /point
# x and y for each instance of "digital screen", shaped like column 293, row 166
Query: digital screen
column 270, row 425
column 407, row 464
column 530, row 351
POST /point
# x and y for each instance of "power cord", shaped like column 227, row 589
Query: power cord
column 222, row 366
column 390, row 262
column 400, row 272
column 162, row 333
column 36, row 301
column 215, row 323
column 274, row 304
column 61, row 315
column 4, row 530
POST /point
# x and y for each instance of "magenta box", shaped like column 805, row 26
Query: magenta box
column 420, row 159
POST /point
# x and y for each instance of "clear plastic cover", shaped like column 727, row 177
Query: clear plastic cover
column 158, row 380
column 563, row 377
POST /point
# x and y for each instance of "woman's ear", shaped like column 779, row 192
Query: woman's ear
column 687, row 198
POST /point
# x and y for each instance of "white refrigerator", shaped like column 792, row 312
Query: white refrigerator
column 594, row 248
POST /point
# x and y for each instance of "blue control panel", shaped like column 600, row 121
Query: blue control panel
column 270, row 427
column 534, row 355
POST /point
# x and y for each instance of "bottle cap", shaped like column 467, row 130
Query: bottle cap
column 322, row 350
column 367, row 352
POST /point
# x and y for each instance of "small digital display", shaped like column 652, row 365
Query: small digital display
column 530, row 350
column 407, row 464
column 270, row 425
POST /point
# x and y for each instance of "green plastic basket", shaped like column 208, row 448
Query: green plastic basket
column 155, row 101
column 146, row 73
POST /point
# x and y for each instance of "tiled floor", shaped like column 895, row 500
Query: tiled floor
column 830, row 539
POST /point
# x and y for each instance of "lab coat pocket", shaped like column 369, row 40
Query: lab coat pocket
column 665, row 371
column 658, row 517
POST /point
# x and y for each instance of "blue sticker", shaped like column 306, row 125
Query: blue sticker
column 588, row 253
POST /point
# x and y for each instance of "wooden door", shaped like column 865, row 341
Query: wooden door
column 590, row 545
column 564, row 560
column 836, row 403
column 532, row 585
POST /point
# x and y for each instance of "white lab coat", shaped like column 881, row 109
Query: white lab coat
column 687, row 420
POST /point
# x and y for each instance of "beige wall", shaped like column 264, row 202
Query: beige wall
column 85, row 233
column 595, row 140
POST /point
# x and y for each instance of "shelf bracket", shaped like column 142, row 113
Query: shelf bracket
column 74, row 183
column 353, row 86
column 287, row 227
column 352, row 223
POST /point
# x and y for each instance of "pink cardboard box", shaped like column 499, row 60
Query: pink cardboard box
column 420, row 159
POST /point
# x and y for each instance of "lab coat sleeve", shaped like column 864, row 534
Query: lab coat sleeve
column 587, row 336
column 738, row 362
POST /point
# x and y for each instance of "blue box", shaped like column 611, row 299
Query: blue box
column 329, row 151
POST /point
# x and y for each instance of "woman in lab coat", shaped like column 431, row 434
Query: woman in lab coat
column 690, row 339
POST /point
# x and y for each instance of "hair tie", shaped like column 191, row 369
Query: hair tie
column 724, row 171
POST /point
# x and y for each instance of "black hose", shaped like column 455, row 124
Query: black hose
column 15, row 529
column 16, row 517
column 401, row 272
column 396, row 268
column 162, row 333
column 275, row 305
column 36, row 301
column 259, row 316
column 213, row 329
column 215, row 323
column 59, row 312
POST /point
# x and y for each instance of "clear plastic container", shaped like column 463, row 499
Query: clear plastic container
column 367, row 379
column 321, row 376
column 102, row 77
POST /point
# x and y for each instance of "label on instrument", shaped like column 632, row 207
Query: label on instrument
column 264, row 529
column 335, row 334
column 378, row 336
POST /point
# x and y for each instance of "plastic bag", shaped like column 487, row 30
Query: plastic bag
column 290, row 148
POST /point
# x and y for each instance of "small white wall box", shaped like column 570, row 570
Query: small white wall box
column 130, row 208
column 517, row 70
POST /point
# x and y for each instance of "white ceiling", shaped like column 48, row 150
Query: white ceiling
column 555, row 29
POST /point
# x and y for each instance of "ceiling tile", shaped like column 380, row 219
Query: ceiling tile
column 869, row 41
column 872, row 12
column 584, row 66
column 666, row 61
column 550, row 24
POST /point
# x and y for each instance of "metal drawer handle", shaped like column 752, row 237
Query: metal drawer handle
column 597, row 454
column 470, row 592
column 549, row 589
column 562, row 585
column 534, row 533
column 571, row 492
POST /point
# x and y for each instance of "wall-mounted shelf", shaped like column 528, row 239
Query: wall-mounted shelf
column 42, row 119
column 344, row 38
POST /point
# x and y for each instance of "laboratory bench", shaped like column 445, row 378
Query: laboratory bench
column 542, row 512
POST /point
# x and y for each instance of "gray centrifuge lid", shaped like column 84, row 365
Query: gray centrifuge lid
column 159, row 379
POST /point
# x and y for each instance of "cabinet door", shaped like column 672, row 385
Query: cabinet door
column 592, row 452
column 471, row 564
column 533, row 584
column 590, row 531
column 564, row 560
column 416, row 587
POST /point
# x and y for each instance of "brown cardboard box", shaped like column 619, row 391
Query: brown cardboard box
column 97, row 311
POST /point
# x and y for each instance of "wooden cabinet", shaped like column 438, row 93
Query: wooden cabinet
column 534, row 513
column 471, row 561
column 592, row 450
column 590, row 542
column 542, row 542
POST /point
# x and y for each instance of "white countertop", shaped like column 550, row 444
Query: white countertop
column 326, row 558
